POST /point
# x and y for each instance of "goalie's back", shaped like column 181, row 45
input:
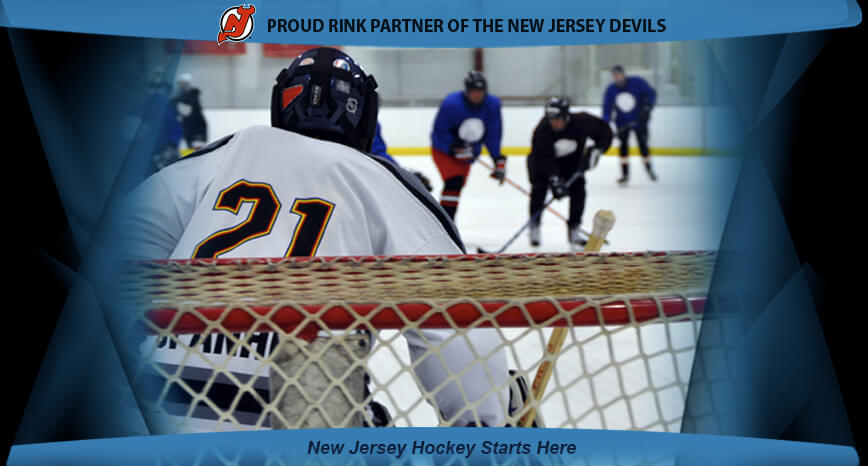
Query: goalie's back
column 268, row 192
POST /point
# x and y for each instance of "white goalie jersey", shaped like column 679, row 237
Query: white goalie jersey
column 267, row 192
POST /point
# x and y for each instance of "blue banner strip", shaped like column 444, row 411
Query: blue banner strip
column 445, row 23
column 440, row 445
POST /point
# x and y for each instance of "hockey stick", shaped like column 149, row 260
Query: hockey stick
column 603, row 222
column 533, row 218
column 628, row 127
column 527, row 193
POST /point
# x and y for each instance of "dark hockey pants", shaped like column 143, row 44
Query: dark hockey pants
column 641, row 137
column 539, row 182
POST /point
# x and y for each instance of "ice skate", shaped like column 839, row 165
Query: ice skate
column 535, row 235
column 651, row 174
column 576, row 238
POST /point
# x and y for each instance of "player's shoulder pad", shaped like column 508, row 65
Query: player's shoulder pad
column 208, row 149
column 412, row 183
column 492, row 100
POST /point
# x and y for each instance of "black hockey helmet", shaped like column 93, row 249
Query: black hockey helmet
column 475, row 80
column 558, row 107
column 325, row 94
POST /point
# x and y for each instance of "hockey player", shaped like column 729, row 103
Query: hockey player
column 558, row 150
column 379, row 147
column 306, row 186
column 190, row 114
column 170, row 131
column 632, row 99
column 465, row 121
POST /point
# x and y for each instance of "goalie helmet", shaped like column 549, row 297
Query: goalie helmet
column 325, row 94
column 558, row 107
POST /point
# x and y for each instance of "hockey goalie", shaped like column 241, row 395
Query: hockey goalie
column 308, row 186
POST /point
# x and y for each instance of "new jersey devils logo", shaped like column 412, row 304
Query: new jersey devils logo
column 236, row 24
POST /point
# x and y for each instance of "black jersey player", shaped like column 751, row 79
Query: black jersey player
column 190, row 114
column 560, row 149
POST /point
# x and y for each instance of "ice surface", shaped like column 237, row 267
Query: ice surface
column 684, row 210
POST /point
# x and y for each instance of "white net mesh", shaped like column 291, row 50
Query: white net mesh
column 217, row 330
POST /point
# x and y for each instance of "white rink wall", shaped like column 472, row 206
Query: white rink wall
column 676, row 127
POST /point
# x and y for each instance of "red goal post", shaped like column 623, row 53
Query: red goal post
column 282, row 289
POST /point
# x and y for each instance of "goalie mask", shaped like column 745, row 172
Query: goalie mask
column 325, row 94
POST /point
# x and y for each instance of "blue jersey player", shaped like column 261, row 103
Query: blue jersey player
column 378, row 147
column 465, row 121
column 631, row 99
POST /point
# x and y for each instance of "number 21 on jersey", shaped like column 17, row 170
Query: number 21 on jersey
column 314, row 216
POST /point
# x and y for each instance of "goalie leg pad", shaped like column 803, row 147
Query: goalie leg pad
column 480, row 394
column 318, row 384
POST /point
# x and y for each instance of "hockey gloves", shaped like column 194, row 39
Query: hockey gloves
column 462, row 152
column 499, row 172
column 592, row 157
column 424, row 180
column 559, row 188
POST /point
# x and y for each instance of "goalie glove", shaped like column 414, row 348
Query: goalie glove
column 499, row 172
column 592, row 157
column 559, row 188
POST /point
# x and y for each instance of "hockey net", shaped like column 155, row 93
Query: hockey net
column 213, row 357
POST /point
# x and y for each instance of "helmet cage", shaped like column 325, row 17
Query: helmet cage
column 558, row 107
column 325, row 94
